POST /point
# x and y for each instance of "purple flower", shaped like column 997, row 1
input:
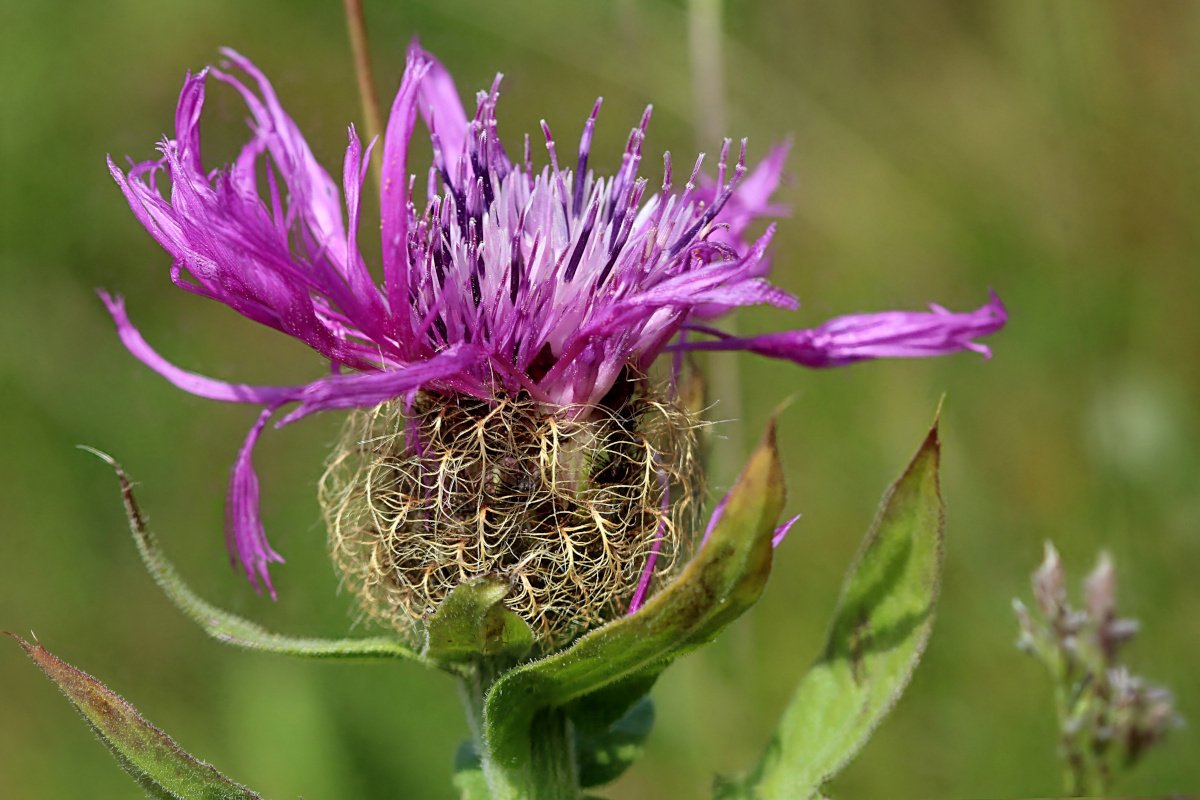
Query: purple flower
column 506, row 279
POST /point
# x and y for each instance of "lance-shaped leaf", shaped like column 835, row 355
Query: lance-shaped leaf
column 151, row 757
column 230, row 628
column 880, row 628
column 721, row 581
column 473, row 622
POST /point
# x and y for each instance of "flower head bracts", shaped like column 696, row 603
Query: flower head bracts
column 505, row 279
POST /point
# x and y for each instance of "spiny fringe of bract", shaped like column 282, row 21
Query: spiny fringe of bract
column 568, row 504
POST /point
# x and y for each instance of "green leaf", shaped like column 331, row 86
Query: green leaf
column 603, row 755
column 151, row 757
column 472, row 622
column 724, row 579
column 230, row 628
column 880, row 628
column 602, row 708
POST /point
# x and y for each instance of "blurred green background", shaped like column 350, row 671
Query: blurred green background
column 1047, row 148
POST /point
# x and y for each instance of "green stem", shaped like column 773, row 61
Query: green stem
column 708, row 93
column 470, row 690
column 1067, row 746
column 551, row 772
column 473, row 687
column 554, row 771
column 1084, row 771
column 357, row 25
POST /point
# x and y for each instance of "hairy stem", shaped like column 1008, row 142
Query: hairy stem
column 473, row 687
column 552, row 772
column 555, row 773
column 471, row 693
column 357, row 25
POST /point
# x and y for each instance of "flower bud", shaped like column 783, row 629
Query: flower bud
column 575, row 506
column 1100, row 598
column 1049, row 584
column 1100, row 589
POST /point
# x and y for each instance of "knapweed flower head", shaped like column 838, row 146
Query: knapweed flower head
column 499, row 365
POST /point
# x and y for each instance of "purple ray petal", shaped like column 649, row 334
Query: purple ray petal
column 752, row 198
column 244, row 534
column 718, row 512
column 310, row 188
column 441, row 107
column 782, row 531
column 364, row 301
column 364, row 389
column 393, row 198
column 189, row 381
column 888, row 334
column 643, row 586
column 234, row 248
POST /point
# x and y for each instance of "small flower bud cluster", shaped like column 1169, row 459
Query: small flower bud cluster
column 1107, row 716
